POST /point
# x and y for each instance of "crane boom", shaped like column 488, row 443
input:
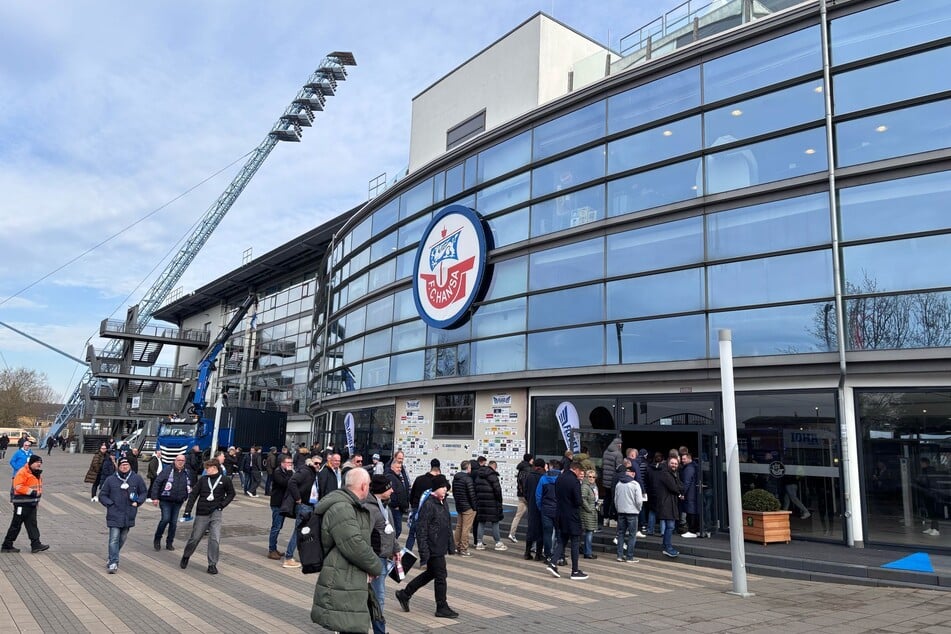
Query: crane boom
column 310, row 99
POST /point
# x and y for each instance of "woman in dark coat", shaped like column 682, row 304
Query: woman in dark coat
column 669, row 492
column 100, row 467
column 690, row 476
column 488, row 505
column 533, row 536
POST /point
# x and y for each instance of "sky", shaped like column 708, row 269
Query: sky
column 109, row 110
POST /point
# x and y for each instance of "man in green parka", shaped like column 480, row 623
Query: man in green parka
column 342, row 599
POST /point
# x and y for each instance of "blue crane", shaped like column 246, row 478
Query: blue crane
column 300, row 113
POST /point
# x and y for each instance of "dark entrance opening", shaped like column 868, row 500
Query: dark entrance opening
column 662, row 441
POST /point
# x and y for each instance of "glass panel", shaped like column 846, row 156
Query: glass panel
column 383, row 247
column 663, row 294
column 892, row 322
column 906, row 205
column 657, row 144
column 439, row 187
column 353, row 350
column 360, row 260
column 662, row 186
column 509, row 192
column 896, row 133
column 499, row 318
column 656, row 247
column 767, row 161
column 775, row 111
column 798, row 430
column 404, row 307
column 509, row 277
column 906, row 78
column 670, row 339
column 356, row 321
column 571, row 130
column 380, row 312
column 438, row 336
column 385, row 216
column 897, row 265
column 575, row 347
column 409, row 335
column 505, row 157
column 775, row 226
column 798, row 329
column 889, row 27
column 568, row 307
column 761, row 65
column 376, row 373
column 405, row 262
column 454, row 183
column 766, row 280
column 416, row 199
column 470, row 172
column 383, row 274
column 569, row 210
column 660, row 98
column 407, row 367
column 361, row 233
column 498, row 355
column 907, row 448
column 357, row 288
column 568, row 172
column 578, row 262
column 509, row 228
column 377, row 343
column 446, row 361
column 410, row 233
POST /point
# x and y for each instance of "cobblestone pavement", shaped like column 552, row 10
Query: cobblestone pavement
column 66, row 589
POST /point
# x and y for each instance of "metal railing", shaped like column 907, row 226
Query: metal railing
column 117, row 326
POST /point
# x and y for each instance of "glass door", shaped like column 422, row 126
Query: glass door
column 712, row 483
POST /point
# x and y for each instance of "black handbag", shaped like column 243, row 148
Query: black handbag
column 288, row 506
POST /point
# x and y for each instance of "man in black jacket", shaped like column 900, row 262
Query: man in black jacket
column 434, row 537
column 533, row 536
column 464, row 494
column 213, row 493
column 169, row 492
column 330, row 478
column 303, row 487
column 421, row 484
column 568, row 495
column 521, row 474
column 399, row 501
column 280, row 477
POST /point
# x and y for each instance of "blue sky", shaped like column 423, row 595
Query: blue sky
column 110, row 109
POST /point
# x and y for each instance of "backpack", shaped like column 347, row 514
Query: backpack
column 309, row 545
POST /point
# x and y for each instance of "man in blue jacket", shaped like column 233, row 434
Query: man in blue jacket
column 20, row 457
column 121, row 494
column 547, row 504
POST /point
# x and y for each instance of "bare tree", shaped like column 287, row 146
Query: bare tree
column 23, row 393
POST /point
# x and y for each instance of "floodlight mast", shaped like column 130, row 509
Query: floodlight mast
column 310, row 99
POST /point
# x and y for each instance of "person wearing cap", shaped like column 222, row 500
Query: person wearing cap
column 420, row 485
column 376, row 467
column 121, row 494
column 25, row 495
column 628, row 500
column 382, row 537
column 434, row 534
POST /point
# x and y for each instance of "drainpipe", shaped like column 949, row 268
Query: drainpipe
column 847, row 435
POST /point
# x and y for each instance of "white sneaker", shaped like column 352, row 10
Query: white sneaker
column 927, row 531
column 641, row 534
column 512, row 539
column 480, row 546
column 806, row 515
column 501, row 546
column 689, row 535
column 148, row 500
column 94, row 498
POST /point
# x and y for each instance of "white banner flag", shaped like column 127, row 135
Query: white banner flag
column 567, row 417
column 348, row 428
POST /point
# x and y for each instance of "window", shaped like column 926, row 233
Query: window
column 656, row 247
column 657, row 144
column 896, row 133
column 466, row 130
column 506, row 354
column 454, row 414
column 509, row 192
column 662, row 186
column 775, row 111
column 385, row 216
column 572, row 348
column 569, row 131
column 767, row 161
column 669, row 339
column 416, row 199
column 798, row 329
column 661, row 98
column 568, row 172
column 897, row 265
column 576, row 262
column 890, row 27
column 509, row 228
column 505, row 157
column 584, row 304
column 906, row 78
column 662, row 294
column 568, row 210
column 869, row 211
column 776, row 279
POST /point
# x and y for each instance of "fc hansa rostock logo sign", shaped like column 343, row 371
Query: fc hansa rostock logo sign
column 450, row 266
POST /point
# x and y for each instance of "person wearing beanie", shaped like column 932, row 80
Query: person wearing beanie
column 420, row 485
column 434, row 535
column 25, row 495
column 382, row 538
column 121, row 494
column 376, row 467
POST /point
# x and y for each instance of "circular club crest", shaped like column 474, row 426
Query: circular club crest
column 450, row 266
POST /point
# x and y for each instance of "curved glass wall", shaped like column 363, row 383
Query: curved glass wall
column 630, row 229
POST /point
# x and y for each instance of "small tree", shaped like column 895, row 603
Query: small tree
column 760, row 500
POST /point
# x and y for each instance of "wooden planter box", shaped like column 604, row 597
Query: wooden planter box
column 766, row 527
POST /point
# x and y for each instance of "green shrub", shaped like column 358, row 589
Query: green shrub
column 760, row 500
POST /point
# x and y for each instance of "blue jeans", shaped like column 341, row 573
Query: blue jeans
column 302, row 509
column 667, row 530
column 626, row 532
column 169, row 518
column 480, row 532
column 379, row 589
column 116, row 540
column 588, row 538
column 397, row 522
column 277, row 523
column 548, row 528
column 651, row 522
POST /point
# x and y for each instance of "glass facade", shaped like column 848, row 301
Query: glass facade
column 629, row 226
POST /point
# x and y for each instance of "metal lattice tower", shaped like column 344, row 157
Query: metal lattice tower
column 299, row 114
